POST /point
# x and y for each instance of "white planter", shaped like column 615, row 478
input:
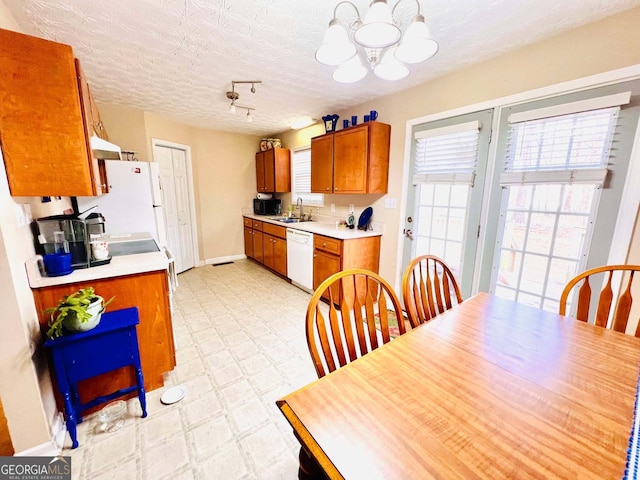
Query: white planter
column 95, row 309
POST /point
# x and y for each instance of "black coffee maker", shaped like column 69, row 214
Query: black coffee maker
column 76, row 238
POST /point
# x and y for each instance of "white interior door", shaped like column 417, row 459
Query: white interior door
column 183, row 214
column 173, row 174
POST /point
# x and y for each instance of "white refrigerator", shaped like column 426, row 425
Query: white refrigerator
column 134, row 202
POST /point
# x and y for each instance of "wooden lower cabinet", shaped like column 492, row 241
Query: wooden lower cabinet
column 149, row 292
column 267, row 244
column 258, row 246
column 331, row 255
column 275, row 254
column 253, row 239
column 248, row 242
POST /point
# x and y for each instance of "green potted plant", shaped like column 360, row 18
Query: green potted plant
column 80, row 311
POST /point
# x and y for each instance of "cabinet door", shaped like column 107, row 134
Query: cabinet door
column 350, row 154
column 322, row 164
column 280, row 256
column 282, row 170
column 270, row 171
column 41, row 125
column 324, row 265
column 260, row 183
column 248, row 242
column 258, row 249
column 93, row 126
column 267, row 250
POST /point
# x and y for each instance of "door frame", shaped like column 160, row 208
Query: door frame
column 630, row 200
column 156, row 142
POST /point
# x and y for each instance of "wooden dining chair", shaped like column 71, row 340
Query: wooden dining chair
column 428, row 289
column 356, row 321
column 622, row 306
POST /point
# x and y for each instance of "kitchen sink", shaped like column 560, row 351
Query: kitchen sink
column 289, row 220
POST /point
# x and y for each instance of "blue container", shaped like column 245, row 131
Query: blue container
column 57, row 264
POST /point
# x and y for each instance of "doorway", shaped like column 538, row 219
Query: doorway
column 547, row 202
column 174, row 162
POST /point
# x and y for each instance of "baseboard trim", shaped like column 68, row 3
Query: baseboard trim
column 227, row 259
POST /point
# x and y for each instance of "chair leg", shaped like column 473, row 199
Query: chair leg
column 309, row 469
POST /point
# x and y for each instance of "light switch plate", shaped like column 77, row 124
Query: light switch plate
column 20, row 220
column 390, row 203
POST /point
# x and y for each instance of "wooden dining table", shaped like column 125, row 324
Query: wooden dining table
column 490, row 389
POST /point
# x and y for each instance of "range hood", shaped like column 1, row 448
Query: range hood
column 104, row 150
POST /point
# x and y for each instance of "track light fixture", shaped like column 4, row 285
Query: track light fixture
column 234, row 96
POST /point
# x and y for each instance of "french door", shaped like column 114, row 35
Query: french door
column 541, row 208
column 448, row 165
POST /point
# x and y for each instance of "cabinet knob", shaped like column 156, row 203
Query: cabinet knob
column 324, row 244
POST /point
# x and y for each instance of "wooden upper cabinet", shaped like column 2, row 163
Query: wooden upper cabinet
column 92, row 126
column 350, row 151
column 42, row 128
column 353, row 160
column 322, row 164
column 273, row 170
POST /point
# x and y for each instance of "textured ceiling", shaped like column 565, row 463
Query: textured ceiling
column 178, row 57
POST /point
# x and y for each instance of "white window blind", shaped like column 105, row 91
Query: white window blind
column 571, row 148
column 447, row 155
column 301, row 178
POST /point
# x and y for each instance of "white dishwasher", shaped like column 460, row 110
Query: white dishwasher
column 300, row 258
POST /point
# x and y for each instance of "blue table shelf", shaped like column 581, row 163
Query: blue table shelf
column 77, row 356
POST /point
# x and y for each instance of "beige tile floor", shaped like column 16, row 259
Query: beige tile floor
column 240, row 346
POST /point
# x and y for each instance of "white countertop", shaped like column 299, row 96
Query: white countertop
column 119, row 266
column 321, row 227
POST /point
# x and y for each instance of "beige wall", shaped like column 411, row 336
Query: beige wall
column 25, row 385
column 600, row 47
column 126, row 127
column 225, row 183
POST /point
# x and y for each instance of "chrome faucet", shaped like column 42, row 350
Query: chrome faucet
column 299, row 207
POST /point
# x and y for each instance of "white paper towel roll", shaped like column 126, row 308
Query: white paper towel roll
column 265, row 196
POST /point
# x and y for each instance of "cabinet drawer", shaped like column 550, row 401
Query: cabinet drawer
column 328, row 244
column 275, row 230
column 256, row 225
column 248, row 222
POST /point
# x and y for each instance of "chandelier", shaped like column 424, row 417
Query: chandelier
column 386, row 47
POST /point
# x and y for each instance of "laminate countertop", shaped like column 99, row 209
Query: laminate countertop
column 320, row 227
column 119, row 266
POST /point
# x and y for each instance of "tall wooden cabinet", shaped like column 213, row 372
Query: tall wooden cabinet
column 273, row 170
column 353, row 160
column 42, row 125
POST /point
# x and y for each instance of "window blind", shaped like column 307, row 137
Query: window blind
column 571, row 148
column 302, row 171
column 301, row 167
column 447, row 155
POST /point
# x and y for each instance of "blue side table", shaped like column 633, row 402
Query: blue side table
column 77, row 356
